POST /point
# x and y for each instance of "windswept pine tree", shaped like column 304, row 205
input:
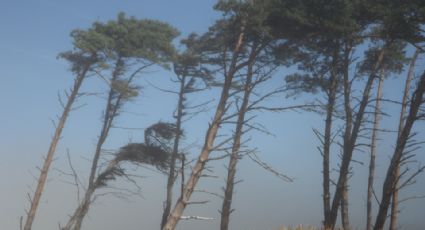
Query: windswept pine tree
column 390, row 183
column 84, row 58
column 339, row 27
column 342, row 52
column 222, row 47
column 261, row 67
column 132, row 45
column 392, row 63
column 327, row 32
column 192, row 78
column 409, row 78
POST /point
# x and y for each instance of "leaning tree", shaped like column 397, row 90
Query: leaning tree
column 84, row 59
column 131, row 45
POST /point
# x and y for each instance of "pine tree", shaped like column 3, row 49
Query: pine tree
column 83, row 59
column 129, row 41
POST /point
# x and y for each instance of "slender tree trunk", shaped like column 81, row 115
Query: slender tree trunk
column 345, row 219
column 171, row 176
column 84, row 205
column 327, row 143
column 347, row 135
column 182, row 202
column 376, row 121
column 51, row 152
column 394, row 201
column 394, row 204
column 226, row 209
column 391, row 176
column 351, row 138
column 110, row 113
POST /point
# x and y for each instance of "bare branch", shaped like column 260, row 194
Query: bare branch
column 75, row 175
column 207, row 192
column 161, row 89
column 412, row 177
column 257, row 160
column 411, row 198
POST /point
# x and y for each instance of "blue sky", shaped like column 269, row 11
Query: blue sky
column 32, row 35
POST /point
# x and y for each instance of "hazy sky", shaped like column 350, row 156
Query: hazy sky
column 34, row 32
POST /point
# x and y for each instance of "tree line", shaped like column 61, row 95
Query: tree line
column 343, row 51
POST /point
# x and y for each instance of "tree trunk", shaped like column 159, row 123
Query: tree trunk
column 391, row 176
column 376, row 121
column 226, row 209
column 108, row 117
column 82, row 209
column 345, row 219
column 351, row 138
column 175, row 215
column 394, row 204
column 171, row 176
column 327, row 144
column 347, row 135
column 51, row 152
column 394, row 201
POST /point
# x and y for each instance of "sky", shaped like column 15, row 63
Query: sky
column 33, row 33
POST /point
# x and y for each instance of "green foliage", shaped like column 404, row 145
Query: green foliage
column 91, row 41
column 189, row 64
column 319, row 18
column 155, row 152
column 215, row 48
column 224, row 33
column 393, row 62
column 326, row 20
column 149, row 40
column 161, row 134
column 109, row 175
column 135, row 153
column 140, row 153
column 323, row 29
column 315, row 65
column 134, row 38
column 400, row 19
column 251, row 13
column 124, row 89
column 305, row 83
column 78, row 60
